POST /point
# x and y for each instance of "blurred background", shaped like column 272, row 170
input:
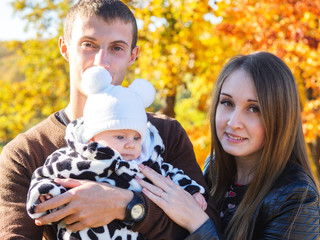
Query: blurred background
column 183, row 46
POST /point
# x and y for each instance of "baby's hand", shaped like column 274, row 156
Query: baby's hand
column 44, row 197
column 200, row 200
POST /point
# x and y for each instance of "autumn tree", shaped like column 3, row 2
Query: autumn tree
column 42, row 90
column 178, row 46
column 42, row 85
column 291, row 30
column 180, row 55
column 182, row 49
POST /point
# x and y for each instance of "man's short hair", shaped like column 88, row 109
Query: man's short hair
column 109, row 10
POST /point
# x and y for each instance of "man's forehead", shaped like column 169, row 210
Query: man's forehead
column 97, row 28
column 83, row 21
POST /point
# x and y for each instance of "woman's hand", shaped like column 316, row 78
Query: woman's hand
column 88, row 204
column 178, row 204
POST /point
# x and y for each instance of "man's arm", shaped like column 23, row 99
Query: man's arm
column 15, row 222
column 18, row 160
column 89, row 204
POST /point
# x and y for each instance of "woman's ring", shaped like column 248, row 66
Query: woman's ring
column 162, row 194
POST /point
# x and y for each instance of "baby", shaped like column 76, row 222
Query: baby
column 106, row 145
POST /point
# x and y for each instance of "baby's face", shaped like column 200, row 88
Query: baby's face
column 127, row 142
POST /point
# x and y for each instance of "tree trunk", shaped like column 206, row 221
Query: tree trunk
column 315, row 154
column 168, row 108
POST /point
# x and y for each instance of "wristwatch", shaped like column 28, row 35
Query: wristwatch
column 136, row 209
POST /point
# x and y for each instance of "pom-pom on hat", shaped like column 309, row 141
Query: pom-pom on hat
column 110, row 107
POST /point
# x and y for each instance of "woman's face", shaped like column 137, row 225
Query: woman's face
column 239, row 124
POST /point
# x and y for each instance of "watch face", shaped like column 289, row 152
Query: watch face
column 137, row 211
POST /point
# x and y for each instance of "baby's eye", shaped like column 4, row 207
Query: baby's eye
column 137, row 138
column 120, row 137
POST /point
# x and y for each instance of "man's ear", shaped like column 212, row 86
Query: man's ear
column 134, row 55
column 63, row 48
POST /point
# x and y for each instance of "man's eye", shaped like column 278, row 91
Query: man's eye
column 117, row 48
column 87, row 44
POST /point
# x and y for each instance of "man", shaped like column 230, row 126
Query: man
column 96, row 33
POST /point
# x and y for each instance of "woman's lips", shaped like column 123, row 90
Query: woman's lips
column 234, row 138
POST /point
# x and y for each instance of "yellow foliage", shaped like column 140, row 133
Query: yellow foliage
column 181, row 53
column 43, row 90
column 289, row 29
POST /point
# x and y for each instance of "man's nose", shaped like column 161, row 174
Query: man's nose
column 101, row 59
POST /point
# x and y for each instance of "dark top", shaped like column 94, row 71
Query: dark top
column 233, row 198
column 290, row 210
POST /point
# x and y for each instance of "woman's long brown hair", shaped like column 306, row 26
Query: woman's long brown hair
column 280, row 111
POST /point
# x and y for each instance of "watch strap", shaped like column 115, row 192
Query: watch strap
column 137, row 199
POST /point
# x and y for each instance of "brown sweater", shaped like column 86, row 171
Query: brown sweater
column 29, row 150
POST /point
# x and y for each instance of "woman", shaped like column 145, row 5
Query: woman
column 259, row 172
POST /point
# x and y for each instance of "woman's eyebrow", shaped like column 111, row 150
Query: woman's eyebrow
column 225, row 94
column 228, row 95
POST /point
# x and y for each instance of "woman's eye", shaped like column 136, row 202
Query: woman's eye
column 137, row 138
column 254, row 109
column 119, row 137
column 226, row 103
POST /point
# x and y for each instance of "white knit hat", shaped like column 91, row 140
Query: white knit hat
column 110, row 107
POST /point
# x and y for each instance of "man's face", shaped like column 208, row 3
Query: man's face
column 95, row 42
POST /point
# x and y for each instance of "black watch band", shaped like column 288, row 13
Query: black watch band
column 136, row 209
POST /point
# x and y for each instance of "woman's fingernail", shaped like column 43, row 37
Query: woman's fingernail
column 145, row 191
column 57, row 180
column 142, row 166
column 137, row 178
column 37, row 222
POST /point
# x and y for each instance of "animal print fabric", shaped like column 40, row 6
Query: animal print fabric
column 95, row 162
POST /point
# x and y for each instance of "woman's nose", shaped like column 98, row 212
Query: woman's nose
column 235, row 120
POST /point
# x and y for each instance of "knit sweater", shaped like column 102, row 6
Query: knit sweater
column 29, row 150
